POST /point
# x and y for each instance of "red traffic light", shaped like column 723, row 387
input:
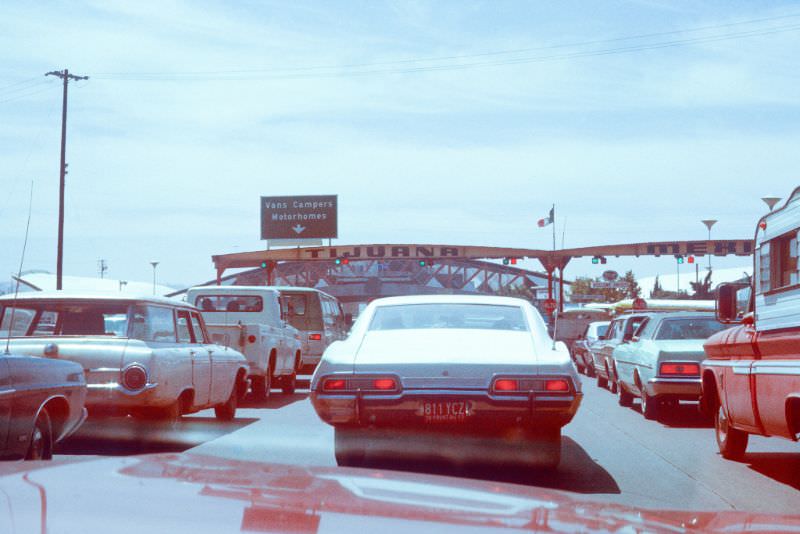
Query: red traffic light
column 690, row 259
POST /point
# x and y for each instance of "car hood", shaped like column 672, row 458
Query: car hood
column 195, row 493
column 452, row 352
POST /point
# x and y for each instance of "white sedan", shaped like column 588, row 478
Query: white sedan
column 448, row 376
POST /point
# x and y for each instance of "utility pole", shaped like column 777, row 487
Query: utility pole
column 66, row 76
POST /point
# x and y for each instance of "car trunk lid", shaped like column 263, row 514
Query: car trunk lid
column 446, row 358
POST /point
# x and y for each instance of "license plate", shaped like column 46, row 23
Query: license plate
column 445, row 411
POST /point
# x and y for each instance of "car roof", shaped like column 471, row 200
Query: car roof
column 450, row 299
column 83, row 295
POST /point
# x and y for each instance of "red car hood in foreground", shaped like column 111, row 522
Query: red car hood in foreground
column 177, row 493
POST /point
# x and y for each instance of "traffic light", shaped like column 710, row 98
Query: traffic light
column 341, row 261
column 679, row 258
column 263, row 265
column 690, row 259
column 424, row 263
column 599, row 259
column 511, row 261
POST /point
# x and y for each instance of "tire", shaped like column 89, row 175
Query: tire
column 227, row 410
column 547, row 444
column 601, row 382
column 289, row 383
column 348, row 447
column 41, row 443
column 625, row 397
column 590, row 371
column 261, row 386
column 732, row 442
column 650, row 406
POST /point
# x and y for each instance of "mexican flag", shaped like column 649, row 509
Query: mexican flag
column 547, row 220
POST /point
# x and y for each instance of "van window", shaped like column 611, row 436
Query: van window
column 229, row 303
column 306, row 310
column 783, row 268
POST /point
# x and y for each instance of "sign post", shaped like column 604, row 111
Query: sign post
column 299, row 217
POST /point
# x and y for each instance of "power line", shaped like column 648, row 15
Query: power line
column 408, row 65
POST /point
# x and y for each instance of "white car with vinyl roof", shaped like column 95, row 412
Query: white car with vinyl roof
column 427, row 368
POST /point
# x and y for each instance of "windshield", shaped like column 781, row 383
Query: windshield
column 688, row 328
column 307, row 200
column 472, row 316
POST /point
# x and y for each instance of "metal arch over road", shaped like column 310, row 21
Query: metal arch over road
column 550, row 259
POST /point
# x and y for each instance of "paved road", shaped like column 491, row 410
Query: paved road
column 609, row 453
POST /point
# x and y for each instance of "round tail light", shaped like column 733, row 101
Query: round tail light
column 134, row 377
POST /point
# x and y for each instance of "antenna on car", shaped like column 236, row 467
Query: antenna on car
column 19, row 272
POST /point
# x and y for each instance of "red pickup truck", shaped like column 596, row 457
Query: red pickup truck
column 751, row 377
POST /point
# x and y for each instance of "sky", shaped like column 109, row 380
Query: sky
column 453, row 122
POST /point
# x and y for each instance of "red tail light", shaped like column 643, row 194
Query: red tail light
column 315, row 337
column 251, row 338
column 334, row 384
column 680, row 369
column 384, row 384
column 134, row 377
column 506, row 384
column 559, row 385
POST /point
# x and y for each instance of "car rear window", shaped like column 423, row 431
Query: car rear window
column 700, row 328
column 469, row 316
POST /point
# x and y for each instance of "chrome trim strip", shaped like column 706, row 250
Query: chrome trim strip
column 8, row 391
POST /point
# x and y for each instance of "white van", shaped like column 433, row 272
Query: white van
column 319, row 318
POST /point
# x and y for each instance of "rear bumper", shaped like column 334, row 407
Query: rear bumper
column 685, row 388
column 481, row 412
column 112, row 397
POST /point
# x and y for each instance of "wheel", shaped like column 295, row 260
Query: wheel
column 546, row 448
column 41, row 444
column 625, row 398
column 601, row 381
column 590, row 371
column 732, row 442
column 261, row 386
column 649, row 406
column 348, row 447
column 288, row 383
column 227, row 410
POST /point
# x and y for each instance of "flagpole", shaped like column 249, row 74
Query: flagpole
column 553, row 223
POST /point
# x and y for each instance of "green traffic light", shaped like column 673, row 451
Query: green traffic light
column 680, row 259
column 338, row 261
column 263, row 265
column 422, row 263
column 505, row 261
column 595, row 260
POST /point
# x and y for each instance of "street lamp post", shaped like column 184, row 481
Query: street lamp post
column 154, row 264
column 709, row 223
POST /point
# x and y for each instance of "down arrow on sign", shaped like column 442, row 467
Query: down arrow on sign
column 298, row 229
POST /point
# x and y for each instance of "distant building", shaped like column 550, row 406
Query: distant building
column 669, row 282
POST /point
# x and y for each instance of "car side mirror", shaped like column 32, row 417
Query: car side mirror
column 727, row 308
